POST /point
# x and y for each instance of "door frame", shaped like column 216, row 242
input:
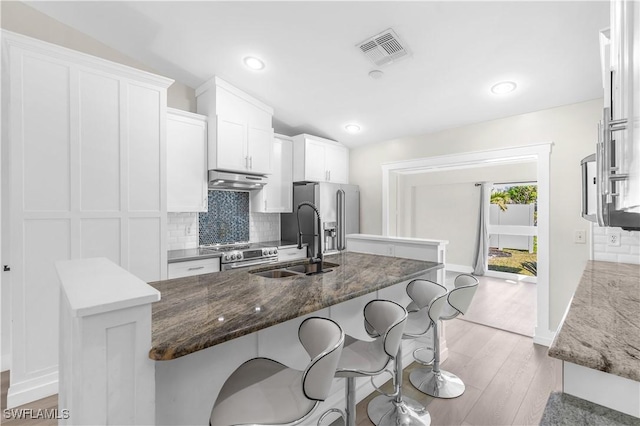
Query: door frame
column 540, row 153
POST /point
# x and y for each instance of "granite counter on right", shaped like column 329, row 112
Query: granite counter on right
column 599, row 338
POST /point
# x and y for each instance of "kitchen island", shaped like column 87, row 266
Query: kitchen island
column 206, row 326
column 205, row 310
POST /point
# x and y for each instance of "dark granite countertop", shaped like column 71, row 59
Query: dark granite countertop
column 601, row 329
column 197, row 312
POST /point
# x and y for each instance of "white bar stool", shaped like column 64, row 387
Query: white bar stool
column 396, row 409
column 265, row 392
column 384, row 320
column 435, row 381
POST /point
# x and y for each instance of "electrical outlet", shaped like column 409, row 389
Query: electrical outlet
column 613, row 239
column 187, row 230
column 580, row 236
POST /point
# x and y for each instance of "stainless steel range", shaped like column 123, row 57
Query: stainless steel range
column 240, row 255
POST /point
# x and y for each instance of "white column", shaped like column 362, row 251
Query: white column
column 106, row 376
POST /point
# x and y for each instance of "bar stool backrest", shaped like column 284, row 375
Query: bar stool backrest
column 423, row 292
column 323, row 339
column 461, row 296
column 386, row 319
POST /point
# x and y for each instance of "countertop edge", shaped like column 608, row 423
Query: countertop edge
column 577, row 341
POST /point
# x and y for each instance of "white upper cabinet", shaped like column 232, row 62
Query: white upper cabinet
column 277, row 195
column 186, row 161
column 319, row 160
column 625, row 101
column 240, row 136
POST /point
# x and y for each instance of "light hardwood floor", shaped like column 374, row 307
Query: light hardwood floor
column 508, row 380
column 509, row 306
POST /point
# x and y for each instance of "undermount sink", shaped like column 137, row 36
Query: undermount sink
column 296, row 270
column 312, row 268
column 276, row 273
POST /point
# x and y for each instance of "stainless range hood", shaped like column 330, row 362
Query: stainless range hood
column 237, row 181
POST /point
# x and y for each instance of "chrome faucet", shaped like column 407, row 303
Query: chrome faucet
column 319, row 256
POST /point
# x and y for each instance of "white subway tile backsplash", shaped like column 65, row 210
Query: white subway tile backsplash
column 627, row 252
column 177, row 225
column 264, row 227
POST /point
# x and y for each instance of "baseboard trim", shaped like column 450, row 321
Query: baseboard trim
column 543, row 337
column 5, row 365
column 510, row 276
column 32, row 390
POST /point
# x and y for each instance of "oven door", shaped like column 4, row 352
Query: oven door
column 247, row 263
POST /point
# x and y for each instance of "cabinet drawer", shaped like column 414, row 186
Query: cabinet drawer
column 292, row 253
column 193, row 267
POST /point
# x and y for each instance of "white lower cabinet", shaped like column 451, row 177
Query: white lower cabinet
column 277, row 195
column 186, row 161
column 190, row 268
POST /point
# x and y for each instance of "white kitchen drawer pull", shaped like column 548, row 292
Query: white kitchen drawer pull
column 195, row 268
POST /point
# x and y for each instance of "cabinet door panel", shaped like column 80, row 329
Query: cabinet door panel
column 260, row 145
column 186, row 165
column 231, row 145
column 144, row 142
column 144, row 248
column 99, row 142
column 314, row 160
column 44, row 243
column 44, row 120
column 337, row 162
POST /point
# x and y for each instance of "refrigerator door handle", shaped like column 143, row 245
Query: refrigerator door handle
column 342, row 216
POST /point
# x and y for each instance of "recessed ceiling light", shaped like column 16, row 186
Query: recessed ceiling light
column 503, row 87
column 352, row 128
column 376, row 74
column 253, row 63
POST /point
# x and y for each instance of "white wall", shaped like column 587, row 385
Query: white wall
column 572, row 129
column 22, row 19
column 445, row 205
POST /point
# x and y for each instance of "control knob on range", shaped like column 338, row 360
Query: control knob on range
column 233, row 256
column 226, row 257
column 275, row 251
column 239, row 256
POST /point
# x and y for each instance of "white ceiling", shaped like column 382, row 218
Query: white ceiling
column 317, row 80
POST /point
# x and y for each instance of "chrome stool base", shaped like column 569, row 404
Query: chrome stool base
column 439, row 385
column 385, row 411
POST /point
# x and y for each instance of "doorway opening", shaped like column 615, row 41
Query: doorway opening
column 513, row 221
column 539, row 154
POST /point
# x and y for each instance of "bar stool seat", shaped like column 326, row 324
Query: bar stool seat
column 397, row 409
column 384, row 321
column 263, row 391
column 432, row 380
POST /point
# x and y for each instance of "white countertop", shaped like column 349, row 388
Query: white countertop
column 98, row 285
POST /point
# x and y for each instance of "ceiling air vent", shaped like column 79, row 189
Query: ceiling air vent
column 383, row 48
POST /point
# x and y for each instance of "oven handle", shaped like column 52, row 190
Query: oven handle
column 246, row 264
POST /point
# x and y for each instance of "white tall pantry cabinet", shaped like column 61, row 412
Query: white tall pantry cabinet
column 87, row 155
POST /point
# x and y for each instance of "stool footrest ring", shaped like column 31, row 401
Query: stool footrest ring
column 380, row 391
column 330, row 411
column 421, row 361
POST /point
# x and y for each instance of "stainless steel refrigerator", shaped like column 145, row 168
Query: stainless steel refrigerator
column 339, row 207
